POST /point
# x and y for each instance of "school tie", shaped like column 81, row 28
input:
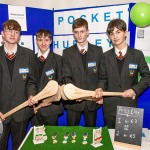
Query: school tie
column 120, row 55
column 82, row 51
column 41, row 58
column 10, row 56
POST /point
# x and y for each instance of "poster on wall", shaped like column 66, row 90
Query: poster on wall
column 143, row 36
column 18, row 13
column 25, row 41
column 142, row 42
column 62, row 42
column 35, row 46
column 98, row 19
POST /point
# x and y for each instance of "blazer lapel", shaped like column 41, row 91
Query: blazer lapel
column 113, row 64
column 90, row 56
column 49, row 62
column 4, row 65
column 18, row 61
column 128, row 58
column 77, row 59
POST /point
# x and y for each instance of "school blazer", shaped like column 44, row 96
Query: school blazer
column 111, row 80
column 16, row 91
column 52, row 70
column 74, row 72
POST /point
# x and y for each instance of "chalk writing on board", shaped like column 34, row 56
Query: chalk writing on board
column 128, row 112
column 129, row 123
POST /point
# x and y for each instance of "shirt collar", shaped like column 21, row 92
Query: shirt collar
column 13, row 51
column 124, row 51
column 85, row 47
column 45, row 54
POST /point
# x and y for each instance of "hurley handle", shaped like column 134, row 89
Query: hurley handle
column 72, row 93
column 50, row 89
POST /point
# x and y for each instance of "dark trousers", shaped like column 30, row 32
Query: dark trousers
column 17, row 131
column 38, row 120
column 110, row 121
column 73, row 117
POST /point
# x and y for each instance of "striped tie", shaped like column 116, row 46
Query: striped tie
column 41, row 58
column 82, row 51
column 120, row 55
column 10, row 56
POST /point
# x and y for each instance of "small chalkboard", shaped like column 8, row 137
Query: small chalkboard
column 129, row 122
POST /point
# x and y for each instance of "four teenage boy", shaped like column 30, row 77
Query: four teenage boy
column 23, row 74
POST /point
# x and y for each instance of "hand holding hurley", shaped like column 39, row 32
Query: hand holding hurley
column 72, row 93
column 50, row 89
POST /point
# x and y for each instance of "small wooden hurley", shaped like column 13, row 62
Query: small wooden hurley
column 72, row 93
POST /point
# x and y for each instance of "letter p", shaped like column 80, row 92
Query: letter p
column 60, row 19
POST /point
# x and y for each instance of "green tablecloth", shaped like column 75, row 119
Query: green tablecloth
column 61, row 130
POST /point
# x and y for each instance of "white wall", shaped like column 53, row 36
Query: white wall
column 64, row 4
column 87, row 3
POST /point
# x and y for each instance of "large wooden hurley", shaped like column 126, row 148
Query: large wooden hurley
column 50, row 89
column 72, row 93
column 63, row 96
column 50, row 99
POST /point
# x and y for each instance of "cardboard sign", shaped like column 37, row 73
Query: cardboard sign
column 97, row 137
column 39, row 135
column 129, row 122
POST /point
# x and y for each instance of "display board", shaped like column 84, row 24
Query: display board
column 98, row 18
column 129, row 122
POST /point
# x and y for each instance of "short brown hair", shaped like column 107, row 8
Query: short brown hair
column 118, row 23
column 43, row 32
column 80, row 22
column 11, row 25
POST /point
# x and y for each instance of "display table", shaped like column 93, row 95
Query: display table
column 28, row 144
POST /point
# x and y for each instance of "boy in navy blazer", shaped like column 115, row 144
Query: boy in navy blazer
column 17, row 84
column 48, row 67
column 81, row 67
column 119, row 72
